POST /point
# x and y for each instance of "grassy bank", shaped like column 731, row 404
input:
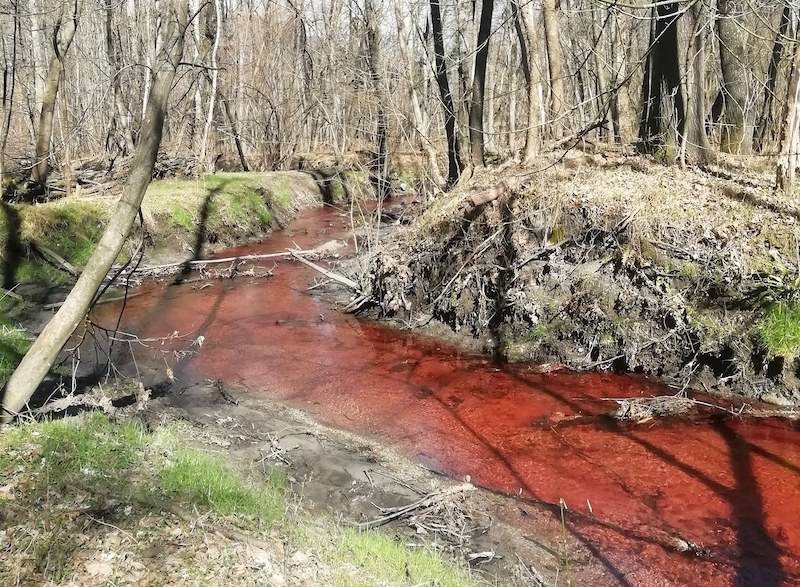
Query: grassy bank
column 225, row 208
column 89, row 500
column 177, row 214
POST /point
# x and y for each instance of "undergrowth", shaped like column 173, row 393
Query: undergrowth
column 14, row 343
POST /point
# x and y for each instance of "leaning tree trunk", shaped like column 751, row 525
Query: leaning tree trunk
column 790, row 128
column 450, row 120
column 736, row 137
column 56, row 333
column 477, row 140
column 766, row 120
column 661, row 87
column 555, row 62
column 62, row 39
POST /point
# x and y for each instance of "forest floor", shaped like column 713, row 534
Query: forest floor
column 612, row 261
column 209, row 486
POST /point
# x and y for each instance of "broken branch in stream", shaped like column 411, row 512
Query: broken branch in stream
column 166, row 267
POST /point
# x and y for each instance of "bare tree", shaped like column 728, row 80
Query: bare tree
column 381, row 158
column 122, row 121
column 450, row 120
column 736, row 136
column 39, row 359
column 555, row 61
column 63, row 34
column 662, row 96
column 476, row 134
column 790, row 126
column 766, row 120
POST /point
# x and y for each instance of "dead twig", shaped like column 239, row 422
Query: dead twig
column 427, row 501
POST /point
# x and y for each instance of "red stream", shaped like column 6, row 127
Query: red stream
column 728, row 485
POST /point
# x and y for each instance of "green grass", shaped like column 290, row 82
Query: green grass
column 234, row 206
column 382, row 560
column 14, row 343
column 779, row 330
column 204, row 480
column 180, row 217
column 95, row 461
column 71, row 228
column 96, row 453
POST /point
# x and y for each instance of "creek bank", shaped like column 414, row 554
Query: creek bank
column 609, row 262
column 43, row 246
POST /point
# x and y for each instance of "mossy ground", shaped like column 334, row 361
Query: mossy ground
column 70, row 486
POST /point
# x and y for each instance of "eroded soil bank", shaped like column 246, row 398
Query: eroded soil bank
column 611, row 262
column 704, row 500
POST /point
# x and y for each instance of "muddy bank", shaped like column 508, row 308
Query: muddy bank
column 610, row 263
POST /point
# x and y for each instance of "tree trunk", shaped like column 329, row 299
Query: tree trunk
column 205, row 159
column 620, row 108
column 790, row 128
column 237, row 140
column 62, row 38
column 420, row 126
column 524, row 22
column 694, row 140
column 37, row 59
column 56, row 333
column 122, row 121
column 477, row 139
column 450, row 126
column 381, row 160
column 197, row 119
column 661, row 87
column 9, row 76
column 766, row 120
column 555, row 62
column 736, row 136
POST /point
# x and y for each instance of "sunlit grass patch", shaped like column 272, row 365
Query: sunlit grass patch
column 382, row 560
column 95, row 452
column 779, row 330
column 14, row 343
column 203, row 479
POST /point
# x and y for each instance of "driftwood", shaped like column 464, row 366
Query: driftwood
column 156, row 269
column 327, row 273
column 427, row 501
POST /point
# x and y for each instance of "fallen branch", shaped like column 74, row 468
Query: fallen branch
column 56, row 259
column 203, row 262
column 346, row 281
column 431, row 499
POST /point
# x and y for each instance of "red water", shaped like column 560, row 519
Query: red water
column 728, row 485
